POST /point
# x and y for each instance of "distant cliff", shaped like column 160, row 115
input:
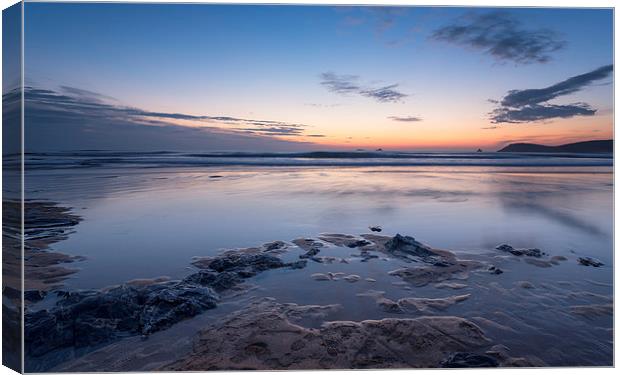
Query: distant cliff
column 602, row 146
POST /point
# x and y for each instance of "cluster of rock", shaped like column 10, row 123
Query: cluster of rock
column 267, row 335
column 554, row 260
column 89, row 318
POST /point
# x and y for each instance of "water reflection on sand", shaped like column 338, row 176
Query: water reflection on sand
column 160, row 218
column 145, row 223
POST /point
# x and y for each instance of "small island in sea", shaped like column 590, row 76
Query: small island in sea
column 587, row 147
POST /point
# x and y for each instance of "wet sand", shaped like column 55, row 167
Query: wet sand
column 334, row 301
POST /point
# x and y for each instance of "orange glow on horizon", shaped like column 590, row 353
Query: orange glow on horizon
column 473, row 137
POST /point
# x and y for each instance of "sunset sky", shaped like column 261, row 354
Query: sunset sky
column 212, row 77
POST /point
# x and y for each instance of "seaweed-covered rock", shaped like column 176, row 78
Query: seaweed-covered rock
column 310, row 253
column 408, row 245
column 234, row 261
column 587, row 261
column 358, row 243
column 533, row 252
column 461, row 360
column 311, row 246
column 275, row 245
column 165, row 307
column 89, row 318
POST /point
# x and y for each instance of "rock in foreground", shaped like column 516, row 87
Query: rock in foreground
column 85, row 319
column 587, row 261
column 533, row 252
column 267, row 336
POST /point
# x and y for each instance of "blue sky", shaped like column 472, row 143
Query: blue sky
column 268, row 63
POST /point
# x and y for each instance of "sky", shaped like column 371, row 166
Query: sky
column 276, row 78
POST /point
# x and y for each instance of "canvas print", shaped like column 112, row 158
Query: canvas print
column 283, row 187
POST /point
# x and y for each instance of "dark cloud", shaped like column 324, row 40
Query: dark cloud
column 538, row 112
column 71, row 119
column 349, row 84
column 519, row 98
column 502, row 36
column 532, row 105
column 405, row 119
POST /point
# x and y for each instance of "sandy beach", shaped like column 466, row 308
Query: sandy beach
column 377, row 298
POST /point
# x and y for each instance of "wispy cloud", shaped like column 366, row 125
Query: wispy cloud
column 502, row 36
column 94, row 96
column 71, row 119
column 385, row 17
column 532, row 105
column 384, row 94
column 405, row 118
column 349, row 84
column 340, row 84
column 319, row 105
column 89, row 104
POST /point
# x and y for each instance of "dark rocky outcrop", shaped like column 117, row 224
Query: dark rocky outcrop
column 408, row 245
column 587, row 261
column 533, row 252
column 311, row 246
column 358, row 243
column 467, row 360
column 408, row 248
column 90, row 318
column 86, row 319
